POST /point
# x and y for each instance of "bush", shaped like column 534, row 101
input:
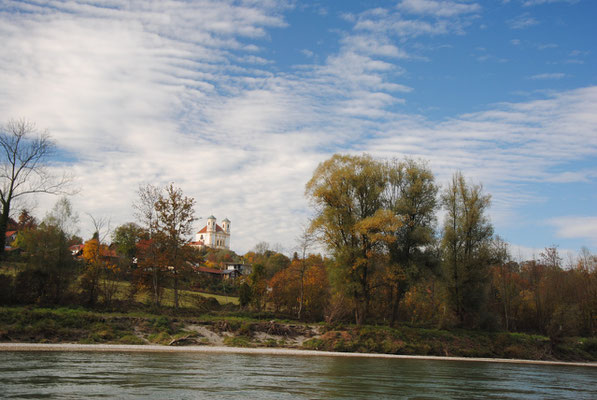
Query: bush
column 314, row 344
column 238, row 341
column 6, row 289
column 30, row 286
column 131, row 339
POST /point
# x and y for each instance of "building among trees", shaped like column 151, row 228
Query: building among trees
column 213, row 235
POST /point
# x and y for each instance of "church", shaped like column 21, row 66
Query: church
column 213, row 235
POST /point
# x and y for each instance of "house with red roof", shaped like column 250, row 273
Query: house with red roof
column 213, row 235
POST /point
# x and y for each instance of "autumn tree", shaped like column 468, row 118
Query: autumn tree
column 504, row 272
column 175, row 215
column 586, row 289
column 305, row 241
column 346, row 192
column 465, row 243
column 26, row 220
column 147, row 250
column 411, row 194
column 301, row 288
column 101, row 270
column 24, row 154
column 90, row 278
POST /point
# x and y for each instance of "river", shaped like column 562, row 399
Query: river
column 77, row 375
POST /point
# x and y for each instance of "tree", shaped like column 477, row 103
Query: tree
column 64, row 217
column 125, row 238
column 503, row 273
column 50, row 266
column 24, row 153
column 301, row 288
column 465, row 244
column 412, row 195
column 257, row 286
column 148, row 252
column 175, row 215
column 305, row 241
column 26, row 220
column 346, row 192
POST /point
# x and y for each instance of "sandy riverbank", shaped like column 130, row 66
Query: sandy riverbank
column 264, row 350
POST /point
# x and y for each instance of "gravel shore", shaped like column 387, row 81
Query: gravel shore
column 264, row 350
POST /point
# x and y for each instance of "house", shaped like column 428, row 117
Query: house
column 10, row 237
column 76, row 249
column 217, row 273
column 213, row 235
column 240, row 268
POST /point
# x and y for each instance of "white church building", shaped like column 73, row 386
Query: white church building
column 213, row 235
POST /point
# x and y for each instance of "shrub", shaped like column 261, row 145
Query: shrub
column 238, row 341
column 131, row 339
column 6, row 289
column 314, row 344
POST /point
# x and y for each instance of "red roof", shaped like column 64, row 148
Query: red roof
column 76, row 247
column 10, row 233
column 210, row 270
column 218, row 229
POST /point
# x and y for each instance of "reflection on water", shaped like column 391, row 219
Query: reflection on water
column 70, row 375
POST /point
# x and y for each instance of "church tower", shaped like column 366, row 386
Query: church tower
column 226, row 225
column 211, row 224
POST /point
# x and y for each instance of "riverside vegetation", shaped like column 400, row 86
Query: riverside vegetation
column 392, row 282
column 234, row 328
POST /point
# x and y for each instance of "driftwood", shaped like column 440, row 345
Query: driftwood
column 181, row 341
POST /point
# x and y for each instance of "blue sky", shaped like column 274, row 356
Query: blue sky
column 238, row 101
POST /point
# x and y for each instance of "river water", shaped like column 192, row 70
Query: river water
column 81, row 375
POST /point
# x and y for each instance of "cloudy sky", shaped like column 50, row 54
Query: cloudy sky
column 236, row 102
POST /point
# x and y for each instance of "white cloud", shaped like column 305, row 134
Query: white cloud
column 575, row 227
column 522, row 21
column 530, row 3
column 437, row 8
column 548, row 75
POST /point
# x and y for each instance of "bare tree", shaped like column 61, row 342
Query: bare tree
column 304, row 242
column 145, row 206
column 145, row 212
column 101, row 227
column 24, row 153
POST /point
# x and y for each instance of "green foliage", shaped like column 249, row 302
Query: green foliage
column 466, row 248
column 160, row 338
column 258, row 285
column 131, row 339
column 346, row 192
column 238, row 341
column 50, row 266
column 126, row 237
column 244, row 294
column 6, row 289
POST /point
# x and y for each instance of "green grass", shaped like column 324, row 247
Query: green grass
column 187, row 298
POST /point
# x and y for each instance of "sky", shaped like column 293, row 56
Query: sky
column 237, row 102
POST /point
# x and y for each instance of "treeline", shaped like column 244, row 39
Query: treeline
column 389, row 262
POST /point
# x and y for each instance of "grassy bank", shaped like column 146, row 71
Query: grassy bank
column 67, row 325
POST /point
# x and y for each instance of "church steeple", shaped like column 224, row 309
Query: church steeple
column 211, row 223
column 226, row 225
